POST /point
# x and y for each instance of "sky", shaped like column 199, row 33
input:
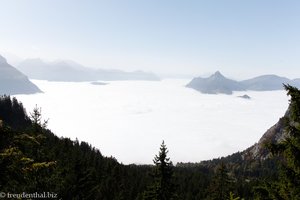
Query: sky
column 240, row 38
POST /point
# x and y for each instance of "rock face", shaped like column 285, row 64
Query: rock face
column 275, row 134
column 13, row 81
column 215, row 84
column 71, row 71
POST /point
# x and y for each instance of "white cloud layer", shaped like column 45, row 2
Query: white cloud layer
column 129, row 119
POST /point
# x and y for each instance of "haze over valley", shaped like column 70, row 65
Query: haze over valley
column 150, row 100
column 125, row 111
column 70, row 71
column 123, row 116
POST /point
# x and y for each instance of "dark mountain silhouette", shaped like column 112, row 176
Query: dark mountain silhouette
column 71, row 71
column 217, row 83
column 13, row 81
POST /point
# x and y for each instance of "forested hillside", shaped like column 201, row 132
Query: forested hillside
column 33, row 159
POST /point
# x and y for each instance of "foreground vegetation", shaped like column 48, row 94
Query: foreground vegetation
column 33, row 159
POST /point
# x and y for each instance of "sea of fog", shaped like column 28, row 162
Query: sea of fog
column 129, row 119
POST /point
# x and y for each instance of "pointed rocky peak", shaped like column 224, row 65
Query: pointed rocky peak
column 217, row 75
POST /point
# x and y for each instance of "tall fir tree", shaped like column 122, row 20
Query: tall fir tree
column 163, row 187
column 288, row 185
column 22, row 164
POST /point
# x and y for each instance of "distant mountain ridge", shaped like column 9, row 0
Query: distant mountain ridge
column 217, row 83
column 266, row 82
column 13, row 81
column 71, row 71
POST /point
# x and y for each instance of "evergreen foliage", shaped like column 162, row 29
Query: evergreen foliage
column 288, row 150
column 13, row 113
column 163, row 187
column 21, row 159
column 33, row 159
column 221, row 184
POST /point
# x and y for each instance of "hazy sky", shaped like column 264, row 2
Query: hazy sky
column 238, row 37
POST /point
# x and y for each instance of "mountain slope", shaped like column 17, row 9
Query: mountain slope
column 215, row 84
column 71, row 71
column 274, row 134
column 56, row 71
column 268, row 82
column 13, row 81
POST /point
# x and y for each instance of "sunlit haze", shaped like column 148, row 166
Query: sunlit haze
column 129, row 119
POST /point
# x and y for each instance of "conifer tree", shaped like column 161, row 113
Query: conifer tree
column 22, row 168
column 163, row 187
column 221, row 184
column 36, row 118
column 287, row 186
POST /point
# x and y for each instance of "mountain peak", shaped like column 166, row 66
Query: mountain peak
column 217, row 75
column 215, row 84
